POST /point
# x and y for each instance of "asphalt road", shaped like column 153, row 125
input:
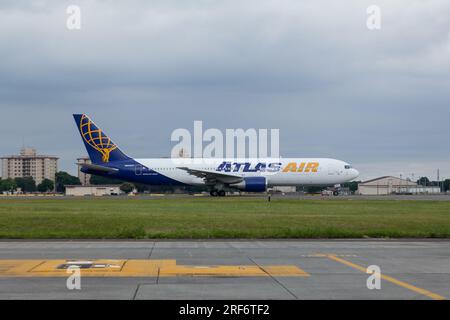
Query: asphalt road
column 273, row 269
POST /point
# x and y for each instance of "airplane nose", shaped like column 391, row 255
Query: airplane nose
column 355, row 173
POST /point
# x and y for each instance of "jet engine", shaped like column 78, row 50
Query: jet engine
column 251, row 184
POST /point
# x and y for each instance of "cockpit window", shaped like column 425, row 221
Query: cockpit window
column 347, row 166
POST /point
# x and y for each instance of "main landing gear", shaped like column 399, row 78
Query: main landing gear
column 215, row 193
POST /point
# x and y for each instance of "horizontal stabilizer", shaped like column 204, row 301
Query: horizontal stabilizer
column 96, row 167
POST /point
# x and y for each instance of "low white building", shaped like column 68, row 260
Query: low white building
column 393, row 185
column 93, row 190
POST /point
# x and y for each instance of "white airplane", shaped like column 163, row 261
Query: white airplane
column 218, row 175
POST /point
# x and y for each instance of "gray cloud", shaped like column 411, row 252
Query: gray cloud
column 379, row 99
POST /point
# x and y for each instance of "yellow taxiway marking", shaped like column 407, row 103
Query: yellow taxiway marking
column 138, row 268
column 427, row 293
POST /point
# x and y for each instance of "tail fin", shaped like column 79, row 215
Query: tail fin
column 98, row 145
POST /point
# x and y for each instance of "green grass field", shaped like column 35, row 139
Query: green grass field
column 221, row 218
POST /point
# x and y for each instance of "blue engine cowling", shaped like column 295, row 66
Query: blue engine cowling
column 252, row 184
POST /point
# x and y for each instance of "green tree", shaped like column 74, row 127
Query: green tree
column 446, row 185
column 98, row 180
column 26, row 184
column 63, row 179
column 8, row 185
column 46, row 185
column 352, row 185
column 423, row 181
column 127, row 187
column 142, row 188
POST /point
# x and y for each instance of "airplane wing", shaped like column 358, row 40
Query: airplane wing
column 212, row 176
column 96, row 167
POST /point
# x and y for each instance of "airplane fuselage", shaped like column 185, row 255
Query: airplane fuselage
column 218, row 175
column 277, row 172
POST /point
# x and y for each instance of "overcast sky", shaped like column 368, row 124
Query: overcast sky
column 379, row 99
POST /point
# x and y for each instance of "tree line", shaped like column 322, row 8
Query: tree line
column 62, row 178
column 28, row 184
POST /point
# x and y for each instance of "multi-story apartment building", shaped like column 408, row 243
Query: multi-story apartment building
column 29, row 164
column 84, row 177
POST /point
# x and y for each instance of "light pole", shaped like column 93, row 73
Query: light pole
column 400, row 189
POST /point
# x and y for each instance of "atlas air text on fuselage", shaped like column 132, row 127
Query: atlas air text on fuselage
column 229, row 166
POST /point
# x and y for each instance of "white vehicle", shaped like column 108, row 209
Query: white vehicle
column 219, row 175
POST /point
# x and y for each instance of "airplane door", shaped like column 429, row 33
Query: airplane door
column 138, row 169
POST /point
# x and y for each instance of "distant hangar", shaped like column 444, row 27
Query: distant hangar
column 393, row 185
